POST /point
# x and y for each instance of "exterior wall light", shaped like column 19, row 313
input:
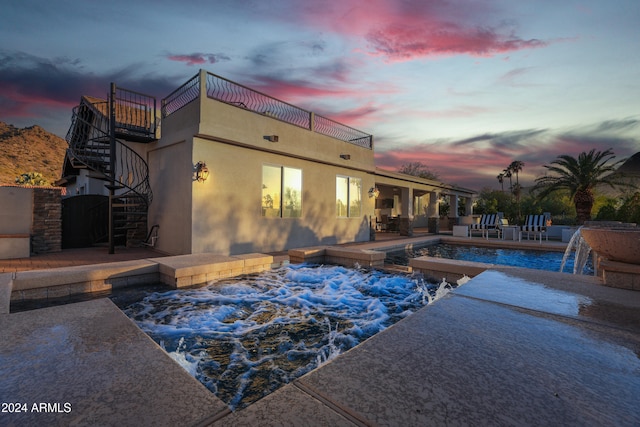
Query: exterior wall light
column 201, row 172
column 345, row 156
column 271, row 138
column 374, row 192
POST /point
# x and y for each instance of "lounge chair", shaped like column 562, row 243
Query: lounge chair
column 487, row 224
column 536, row 225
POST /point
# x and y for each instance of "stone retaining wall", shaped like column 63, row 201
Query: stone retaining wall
column 46, row 228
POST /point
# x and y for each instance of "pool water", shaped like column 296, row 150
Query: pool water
column 539, row 260
column 245, row 337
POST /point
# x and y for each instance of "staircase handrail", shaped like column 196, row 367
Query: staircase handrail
column 131, row 167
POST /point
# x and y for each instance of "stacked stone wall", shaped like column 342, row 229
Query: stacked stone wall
column 46, row 228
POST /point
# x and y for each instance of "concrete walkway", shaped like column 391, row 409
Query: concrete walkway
column 510, row 347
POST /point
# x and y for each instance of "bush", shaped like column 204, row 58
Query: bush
column 607, row 213
column 558, row 204
column 630, row 209
column 32, row 178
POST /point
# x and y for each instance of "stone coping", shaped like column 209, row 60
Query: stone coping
column 372, row 254
column 314, row 254
column 82, row 273
column 345, row 256
column 196, row 269
column 174, row 271
column 449, row 269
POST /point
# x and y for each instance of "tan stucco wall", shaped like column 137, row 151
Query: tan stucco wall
column 170, row 175
column 237, row 124
column 16, row 210
column 170, row 172
column 227, row 207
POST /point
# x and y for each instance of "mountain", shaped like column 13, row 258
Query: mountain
column 629, row 172
column 631, row 167
column 30, row 149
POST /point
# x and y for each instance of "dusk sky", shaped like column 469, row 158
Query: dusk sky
column 463, row 86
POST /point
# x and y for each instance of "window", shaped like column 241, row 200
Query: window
column 281, row 192
column 348, row 196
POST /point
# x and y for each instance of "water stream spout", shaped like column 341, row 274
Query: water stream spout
column 582, row 251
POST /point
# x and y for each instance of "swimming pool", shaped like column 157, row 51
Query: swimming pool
column 244, row 337
column 536, row 259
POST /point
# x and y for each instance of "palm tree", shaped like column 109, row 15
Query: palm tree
column 580, row 177
column 516, row 167
column 517, row 191
column 501, row 180
column 507, row 174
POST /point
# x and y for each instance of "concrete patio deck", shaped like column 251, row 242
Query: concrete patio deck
column 510, row 347
column 75, row 257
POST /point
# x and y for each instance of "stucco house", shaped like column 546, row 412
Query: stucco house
column 219, row 167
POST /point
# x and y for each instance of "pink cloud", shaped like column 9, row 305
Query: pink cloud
column 413, row 29
column 310, row 95
column 198, row 58
column 403, row 43
column 453, row 113
column 303, row 90
column 16, row 103
column 361, row 117
column 294, row 90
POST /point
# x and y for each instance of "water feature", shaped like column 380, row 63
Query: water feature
column 618, row 243
column 245, row 337
column 535, row 259
column 582, row 250
column 617, row 252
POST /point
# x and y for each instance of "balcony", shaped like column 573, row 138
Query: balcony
column 240, row 96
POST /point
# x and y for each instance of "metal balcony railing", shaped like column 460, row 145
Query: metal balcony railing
column 240, row 96
column 182, row 96
column 135, row 115
column 345, row 133
column 232, row 93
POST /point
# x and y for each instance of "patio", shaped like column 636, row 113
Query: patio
column 511, row 346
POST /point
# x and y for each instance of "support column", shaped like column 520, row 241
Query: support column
column 454, row 200
column 469, row 206
column 433, row 212
column 454, row 217
column 434, row 207
column 406, row 217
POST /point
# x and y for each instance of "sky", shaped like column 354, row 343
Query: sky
column 463, row 86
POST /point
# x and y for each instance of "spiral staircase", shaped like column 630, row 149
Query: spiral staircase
column 99, row 140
